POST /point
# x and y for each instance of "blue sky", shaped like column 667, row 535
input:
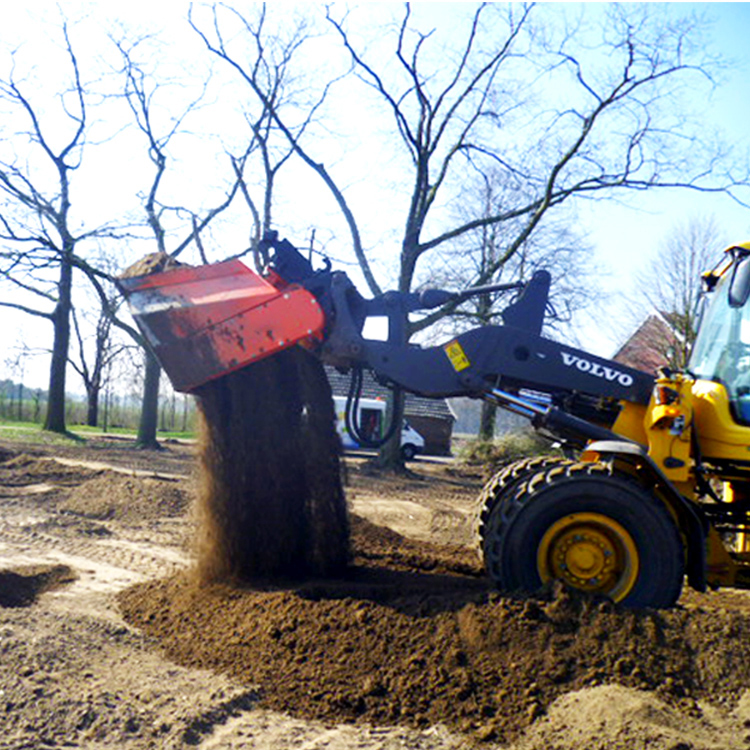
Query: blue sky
column 625, row 234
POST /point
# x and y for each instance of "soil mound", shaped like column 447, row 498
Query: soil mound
column 26, row 468
column 114, row 496
column 386, row 548
column 613, row 717
column 391, row 643
column 21, row 586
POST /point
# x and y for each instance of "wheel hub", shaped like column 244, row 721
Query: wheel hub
column 591, row 552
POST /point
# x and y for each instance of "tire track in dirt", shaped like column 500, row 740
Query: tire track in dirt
column 75, row 675
column 29, row 535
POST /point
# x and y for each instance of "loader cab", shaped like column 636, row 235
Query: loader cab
column 721, row 352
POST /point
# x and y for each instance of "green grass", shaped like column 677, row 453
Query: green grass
column 83, row 429
column 16, row 423
column 33, row 433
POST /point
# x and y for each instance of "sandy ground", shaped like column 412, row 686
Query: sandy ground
column 75, row 674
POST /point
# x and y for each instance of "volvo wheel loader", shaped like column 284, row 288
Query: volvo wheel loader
column 655, row 485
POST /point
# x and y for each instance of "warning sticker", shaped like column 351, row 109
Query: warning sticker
column 457, row 356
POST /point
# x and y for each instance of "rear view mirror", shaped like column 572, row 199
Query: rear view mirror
column 739, row 286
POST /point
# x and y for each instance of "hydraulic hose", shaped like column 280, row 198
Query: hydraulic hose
column 352, row 409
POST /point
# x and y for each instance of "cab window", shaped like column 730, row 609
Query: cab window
column 722, row 348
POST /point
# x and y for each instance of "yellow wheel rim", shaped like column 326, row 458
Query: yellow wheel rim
column 590, row 552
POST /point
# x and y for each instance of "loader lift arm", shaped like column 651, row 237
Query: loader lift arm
column 207, row 321
column 491, row 362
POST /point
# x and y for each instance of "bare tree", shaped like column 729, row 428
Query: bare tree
column 669, row 288
column 16, row 362
column 443, row 126
column 269, row 74
column 141, row 89
column 36, row 227
column 94, row 363
column 477, row 258
column 562, row 114
column 271, row 61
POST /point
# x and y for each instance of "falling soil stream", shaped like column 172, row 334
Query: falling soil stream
column 271, row 504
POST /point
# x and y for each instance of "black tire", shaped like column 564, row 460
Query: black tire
column 505, row 481
column 408, row 452
column 598, row 531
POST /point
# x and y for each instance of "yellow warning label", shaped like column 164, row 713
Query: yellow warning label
column 457, row 356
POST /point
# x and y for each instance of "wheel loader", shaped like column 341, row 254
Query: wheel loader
column 653, row 484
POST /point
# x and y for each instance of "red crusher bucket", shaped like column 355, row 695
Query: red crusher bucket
column 206, row 321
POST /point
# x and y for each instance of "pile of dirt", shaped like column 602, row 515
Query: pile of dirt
column 20, row 587
column 393, row 644
column 271, row 504
column 20, row 469
column 173, row 458
column 613, row 717
column 115, row 496
column 381, row 546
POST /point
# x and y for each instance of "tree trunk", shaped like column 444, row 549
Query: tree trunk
column 92, row 406
column 150, row 405
column 389, row 456
column 55, row 419
column 105, row 419
column 487, row 421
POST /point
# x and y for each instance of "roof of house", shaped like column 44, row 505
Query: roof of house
column 416, row 406
column 645, row 349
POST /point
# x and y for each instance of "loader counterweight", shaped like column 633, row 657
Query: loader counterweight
column 204, row 322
